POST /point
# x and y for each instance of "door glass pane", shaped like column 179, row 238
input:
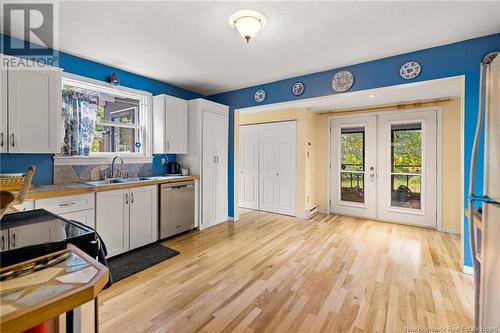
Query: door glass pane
column 406, row 165
column 352, row 164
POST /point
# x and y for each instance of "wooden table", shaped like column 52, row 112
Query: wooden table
column 45, row 294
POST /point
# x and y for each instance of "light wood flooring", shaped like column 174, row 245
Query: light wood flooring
column 271, row 273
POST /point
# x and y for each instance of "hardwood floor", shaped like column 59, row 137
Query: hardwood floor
column 271, row 273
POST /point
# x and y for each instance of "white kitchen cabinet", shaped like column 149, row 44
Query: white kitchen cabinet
column 36, row 233
column 25, row 206
column 86, row 217
column 170, row 125
column 208, row 157
column 33, row 110
column 127, row 219
column 143, row 215
column 4, row 240
column 67, row 204
column 112, row 220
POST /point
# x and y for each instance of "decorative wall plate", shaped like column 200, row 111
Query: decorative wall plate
column 410, row 70
column 342, row 81
column 260, row 96
column 298, row 88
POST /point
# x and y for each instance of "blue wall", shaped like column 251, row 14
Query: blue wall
column 75, row 65
column 460, row 58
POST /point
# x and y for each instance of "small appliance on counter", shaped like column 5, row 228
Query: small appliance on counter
column 173, row 168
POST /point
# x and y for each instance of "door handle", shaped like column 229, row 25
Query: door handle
column 217, row 159
column 3, row 242
column 1, row 139
column 132, row 197
column 66, row 204
column 13, row 239
column 12, row 142
column 126, row 198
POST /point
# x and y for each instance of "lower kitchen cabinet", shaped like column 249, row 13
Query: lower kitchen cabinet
column 86, row 217
column 143, row 216
column 127, row 219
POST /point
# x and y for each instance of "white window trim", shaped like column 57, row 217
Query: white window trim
column 105, row 158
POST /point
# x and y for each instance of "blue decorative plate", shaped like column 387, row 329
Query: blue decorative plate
column 260, row 96
column 298, row 88
column 410, row 70
column 342, row 81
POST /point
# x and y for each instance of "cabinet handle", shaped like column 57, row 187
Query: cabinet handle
column 3, row 242
column 12, row 142
column 1, row 139
column 13, row 240
column 217, row 159
column 132, row 197
column 66, row 204
column 126, row 198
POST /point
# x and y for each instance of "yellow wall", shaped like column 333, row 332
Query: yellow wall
column 312, row 171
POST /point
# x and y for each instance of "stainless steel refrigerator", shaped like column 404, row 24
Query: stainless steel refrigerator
column 485, row 244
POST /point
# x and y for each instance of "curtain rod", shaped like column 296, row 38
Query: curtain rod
column 400, row 106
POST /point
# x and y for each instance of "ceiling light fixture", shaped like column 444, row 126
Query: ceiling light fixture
column 247, row 22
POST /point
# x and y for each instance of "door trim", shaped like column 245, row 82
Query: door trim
column 439, row 137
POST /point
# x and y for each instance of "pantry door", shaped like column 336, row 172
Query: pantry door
column 408, row 168
column 354, row 166
column 249, row 166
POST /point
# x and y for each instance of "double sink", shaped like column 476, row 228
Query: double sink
column 111, row 181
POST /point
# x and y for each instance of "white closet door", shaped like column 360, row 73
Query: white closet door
column 278, row 146
column 3, row 111
column 268, row 167
column 208, row 171
column 220, row 149
column 286, row 148
column 249, row 166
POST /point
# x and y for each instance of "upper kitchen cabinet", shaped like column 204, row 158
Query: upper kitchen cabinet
column 170, row 125
column 30, row 110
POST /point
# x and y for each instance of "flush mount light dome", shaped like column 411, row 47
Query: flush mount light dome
column 247, row 22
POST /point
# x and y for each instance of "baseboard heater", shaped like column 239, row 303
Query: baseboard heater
column 311, row 212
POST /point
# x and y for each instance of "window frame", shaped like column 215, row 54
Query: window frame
column 145, row 125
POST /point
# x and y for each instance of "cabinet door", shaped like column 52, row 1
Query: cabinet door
column 3, row 111
column 208, row 171
column 86, row 217
column 34, row 99
column 4, row 240
column 220, row 148
column 176, row 125
column 112, row 220
column 32, row 234
column 143, row 215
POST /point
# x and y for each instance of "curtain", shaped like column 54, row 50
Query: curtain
column 79, row 111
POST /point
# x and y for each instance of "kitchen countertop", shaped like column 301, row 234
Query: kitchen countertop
column 57, row 190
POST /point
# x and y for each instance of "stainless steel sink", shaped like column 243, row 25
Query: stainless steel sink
column 119, row 181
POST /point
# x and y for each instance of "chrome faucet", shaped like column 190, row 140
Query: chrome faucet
column 113, row 165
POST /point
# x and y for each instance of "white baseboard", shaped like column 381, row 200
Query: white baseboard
column 233, row 218
column 450, row 230
column 468, row 270
column 302, row 216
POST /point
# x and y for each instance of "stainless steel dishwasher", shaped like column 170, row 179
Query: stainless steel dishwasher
column 176, row 208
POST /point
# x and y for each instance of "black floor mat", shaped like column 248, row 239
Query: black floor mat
column 138, row 260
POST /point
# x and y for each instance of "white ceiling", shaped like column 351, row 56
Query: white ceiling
column 405, row 93
column 191, row 45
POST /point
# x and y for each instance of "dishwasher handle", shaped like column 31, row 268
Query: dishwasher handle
column 168, row 187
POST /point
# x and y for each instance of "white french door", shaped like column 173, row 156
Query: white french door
column 385, row 167
column 249, row 166
column 354, row 162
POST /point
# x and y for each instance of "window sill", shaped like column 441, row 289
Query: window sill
column 89, row 160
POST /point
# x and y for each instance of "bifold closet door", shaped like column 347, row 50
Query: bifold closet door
column 278, row 146
column 249, row 166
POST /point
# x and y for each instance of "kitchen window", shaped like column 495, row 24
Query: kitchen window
column 100, row 120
